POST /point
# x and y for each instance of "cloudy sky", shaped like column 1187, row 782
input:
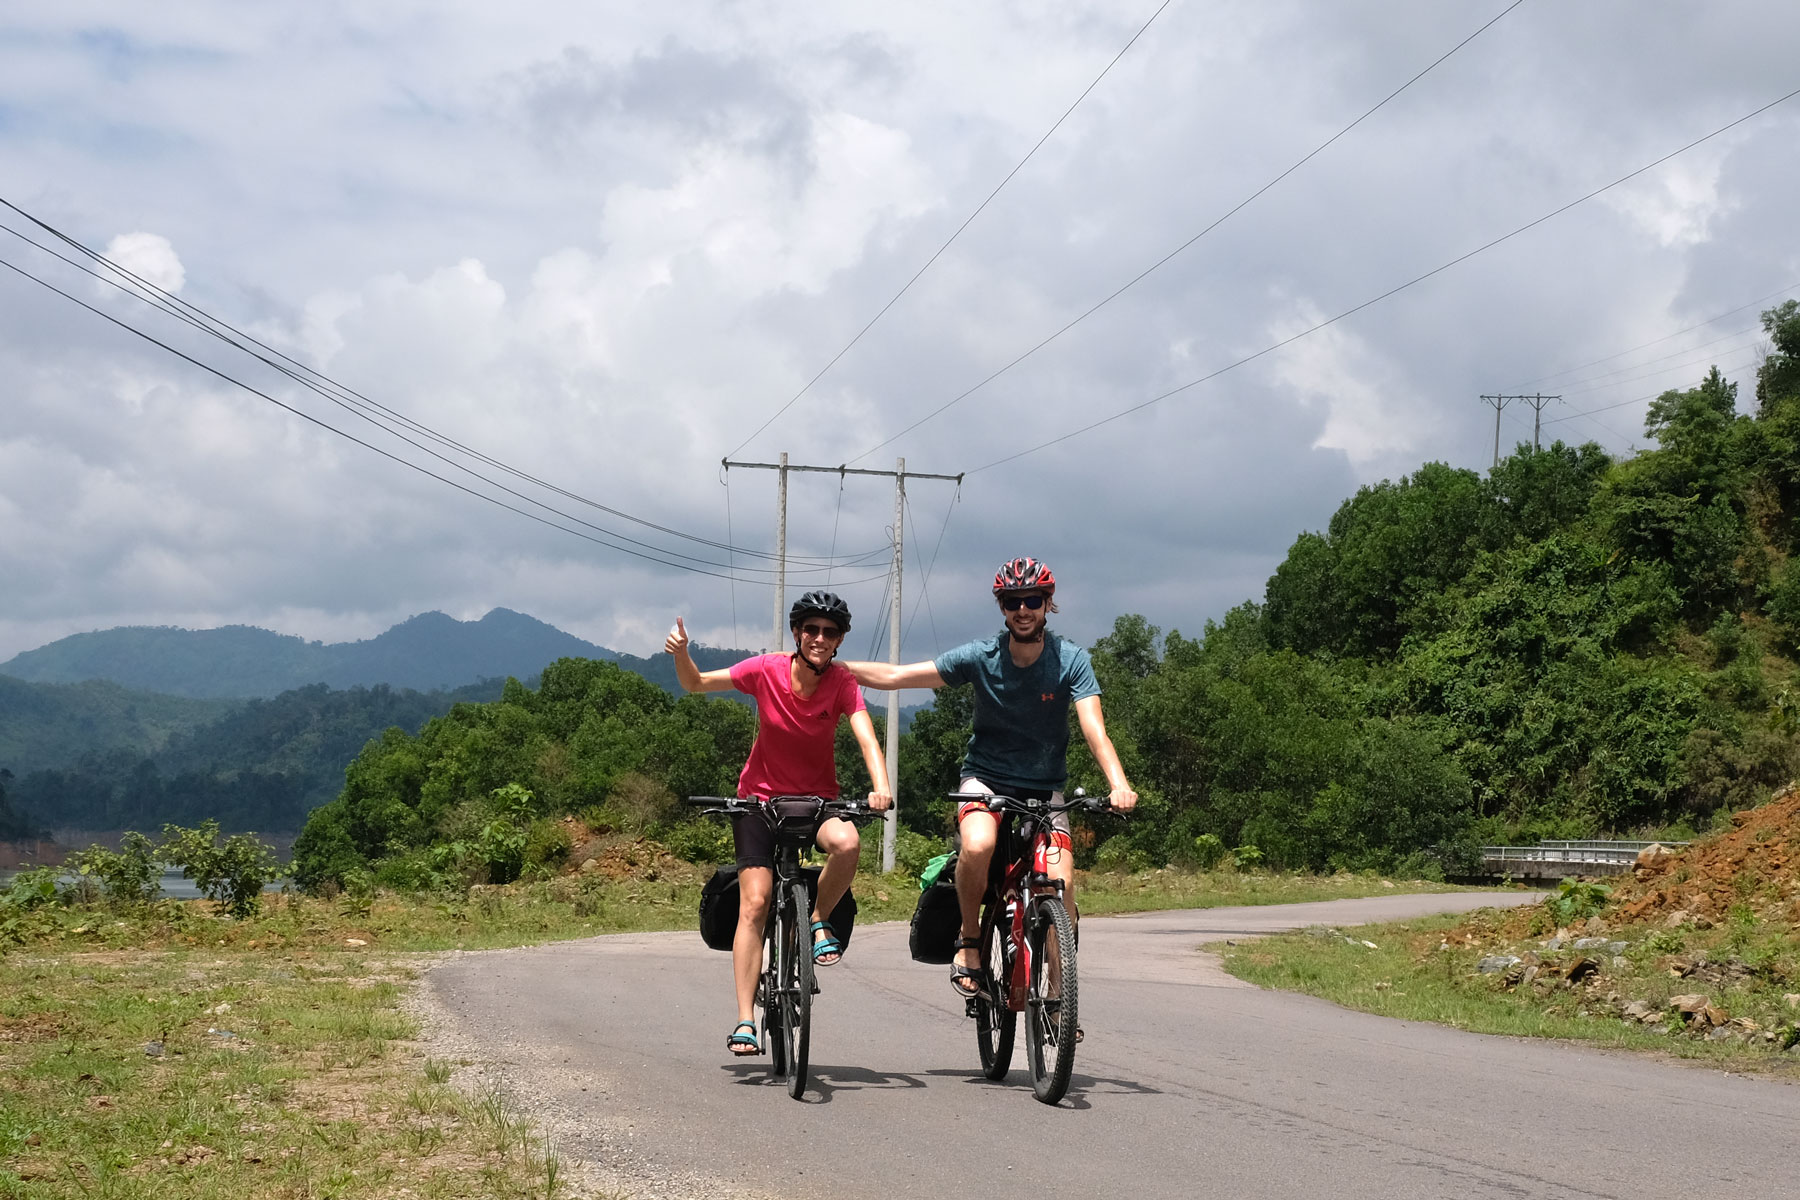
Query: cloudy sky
column 603, row 244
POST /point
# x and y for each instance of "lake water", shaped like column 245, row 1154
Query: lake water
column 174, row 885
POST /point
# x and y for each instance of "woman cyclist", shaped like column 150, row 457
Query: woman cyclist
column 799, row 698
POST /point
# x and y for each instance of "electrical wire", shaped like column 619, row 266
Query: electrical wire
column 925, row 584
column 1393, row 291
column 959, row 229
column 1159, row 263
column 700, row 569
column 1658, row 341
column 347, row 398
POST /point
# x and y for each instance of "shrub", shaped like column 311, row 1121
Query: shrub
column 231, row 875
column 547, row 847
column 638, row 804
column 1577, row 901
column 699, row 841
column 1247, row 858
column 1209, row 851
column 130, row 875
column 1118, row 854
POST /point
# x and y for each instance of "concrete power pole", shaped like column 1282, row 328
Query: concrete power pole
column 890, row 823
column 779, row 637
column 1537, row 424
column 890, row 820
column 1499, row 402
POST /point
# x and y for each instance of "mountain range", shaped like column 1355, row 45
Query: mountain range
column 429, row 652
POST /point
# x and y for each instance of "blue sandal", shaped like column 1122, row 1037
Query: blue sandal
column 828, row 945
column 743, row 1039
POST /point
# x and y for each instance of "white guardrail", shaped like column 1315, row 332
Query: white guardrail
column 1596, row 852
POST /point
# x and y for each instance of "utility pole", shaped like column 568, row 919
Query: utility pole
column 1537, row 424
column 890, row 822
column 779, row 637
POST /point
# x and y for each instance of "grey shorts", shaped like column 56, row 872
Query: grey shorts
column 1059, row 822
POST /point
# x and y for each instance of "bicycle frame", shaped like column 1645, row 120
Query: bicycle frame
column 786, row 983
column 1018, row 885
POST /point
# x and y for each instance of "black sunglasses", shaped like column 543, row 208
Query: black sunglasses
column 1013, row 603
column 824, row 631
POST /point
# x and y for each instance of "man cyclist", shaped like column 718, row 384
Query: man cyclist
column 1025, row 679
column 799, row 698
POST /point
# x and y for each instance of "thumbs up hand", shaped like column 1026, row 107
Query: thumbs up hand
column 677, row 642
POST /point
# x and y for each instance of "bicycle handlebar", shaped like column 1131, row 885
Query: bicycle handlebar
column 849, row 810
column 1015, row 804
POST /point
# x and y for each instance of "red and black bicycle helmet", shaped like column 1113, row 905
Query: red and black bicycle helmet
column 1024, row 575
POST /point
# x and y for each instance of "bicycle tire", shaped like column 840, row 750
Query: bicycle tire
column 774, row 1026
column 799, row 993
column 995, row 1023
column 1050, row 1024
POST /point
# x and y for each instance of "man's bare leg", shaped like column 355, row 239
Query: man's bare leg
column 979, row 831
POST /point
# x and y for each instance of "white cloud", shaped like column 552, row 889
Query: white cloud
column 604, row 245
column 151, row 258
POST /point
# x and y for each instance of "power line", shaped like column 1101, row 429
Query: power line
column 1393, row 291
column 1666, row 337
column 1159, row 263
column 1689, row 359
column 368, row 410
column 700, row 569
column 966, row 222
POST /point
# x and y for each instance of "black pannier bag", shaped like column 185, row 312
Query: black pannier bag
column 719, row 908
column 937, row 921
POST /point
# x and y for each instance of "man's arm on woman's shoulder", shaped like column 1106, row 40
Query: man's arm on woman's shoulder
column 888, row 677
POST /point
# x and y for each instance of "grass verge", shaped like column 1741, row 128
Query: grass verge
column 167, row 1050
column 1429, row 970
column 207, row 1074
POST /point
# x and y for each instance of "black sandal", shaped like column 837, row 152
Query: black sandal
column 958, row 972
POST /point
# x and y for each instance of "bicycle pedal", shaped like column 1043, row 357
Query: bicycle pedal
column 972, row 1007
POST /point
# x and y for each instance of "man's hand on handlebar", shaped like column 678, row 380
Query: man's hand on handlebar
column 1123, row 799
column 879, row 800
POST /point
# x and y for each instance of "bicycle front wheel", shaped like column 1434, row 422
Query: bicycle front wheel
column 994, row 1021
column 797, row 988
column 1050, row 1004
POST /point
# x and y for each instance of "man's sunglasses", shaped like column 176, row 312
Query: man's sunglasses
column 1014, row 603
column 824, row 631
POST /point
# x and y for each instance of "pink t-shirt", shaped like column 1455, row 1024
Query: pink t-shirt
column 795, row 736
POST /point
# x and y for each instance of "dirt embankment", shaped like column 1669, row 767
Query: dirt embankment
column 1757, row 863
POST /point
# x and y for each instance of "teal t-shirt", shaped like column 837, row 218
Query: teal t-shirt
column 1021, row 736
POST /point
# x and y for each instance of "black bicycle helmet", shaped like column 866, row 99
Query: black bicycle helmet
column 820, row 604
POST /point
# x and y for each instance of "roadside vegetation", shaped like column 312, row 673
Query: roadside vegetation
column 1694, row 954
column 257, row 1043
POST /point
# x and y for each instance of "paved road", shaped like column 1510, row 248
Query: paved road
column 1190, row 1083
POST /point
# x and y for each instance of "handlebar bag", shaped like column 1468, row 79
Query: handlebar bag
column 719, row 908
column 937, row 921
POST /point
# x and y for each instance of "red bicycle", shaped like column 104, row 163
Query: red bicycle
column 1027, row 948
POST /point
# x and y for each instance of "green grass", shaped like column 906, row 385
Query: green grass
column 267, row 1074
column 319, row 1089
column 1425, row 970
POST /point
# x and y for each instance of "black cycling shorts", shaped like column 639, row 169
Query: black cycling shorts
column 754, row 839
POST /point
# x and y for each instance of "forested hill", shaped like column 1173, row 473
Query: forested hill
column 1567, row 645
column 46, row 725
column 428, row 652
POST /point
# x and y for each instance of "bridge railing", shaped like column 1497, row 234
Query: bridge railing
column 1590, row 853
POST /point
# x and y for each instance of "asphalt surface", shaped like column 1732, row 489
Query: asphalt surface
column 1190, row 1083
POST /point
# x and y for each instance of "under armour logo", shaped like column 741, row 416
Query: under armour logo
column 1046, row 696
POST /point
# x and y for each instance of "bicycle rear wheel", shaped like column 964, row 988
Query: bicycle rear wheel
column 1050, row 1022
column 797, row 988
column 994, row 1021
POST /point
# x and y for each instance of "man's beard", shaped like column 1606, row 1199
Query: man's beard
column 1035, row 636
